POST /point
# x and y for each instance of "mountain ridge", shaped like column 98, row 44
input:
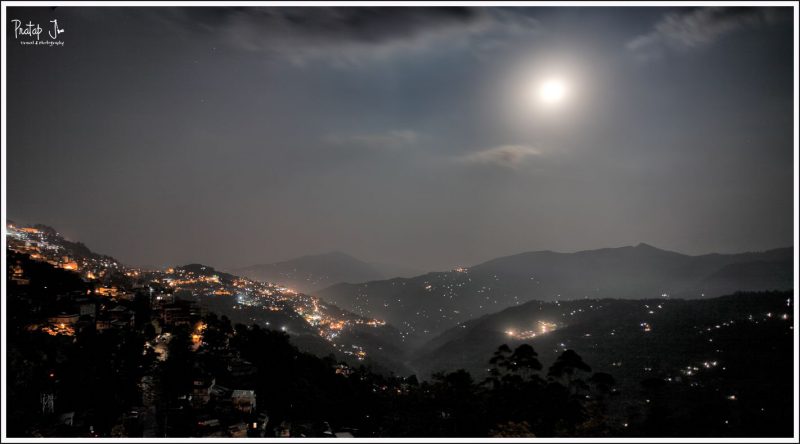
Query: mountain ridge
column 311, row 272
column 430, row 303
column 595, row 327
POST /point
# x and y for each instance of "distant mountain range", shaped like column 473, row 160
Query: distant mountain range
column 442, row 319
column 425, row 305
column 310, row 273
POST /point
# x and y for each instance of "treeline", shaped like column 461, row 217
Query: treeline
column 514, row 399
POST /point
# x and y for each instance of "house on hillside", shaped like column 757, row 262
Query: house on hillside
column 244, row 400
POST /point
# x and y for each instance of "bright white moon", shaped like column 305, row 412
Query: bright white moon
column 552, row 91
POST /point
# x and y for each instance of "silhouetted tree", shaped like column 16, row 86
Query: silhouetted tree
column 524, row 360
column 566, row 367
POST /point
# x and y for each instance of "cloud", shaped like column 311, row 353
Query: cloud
column 507, row 156
column 344, row 35
column 390, row 139
column 698, row 28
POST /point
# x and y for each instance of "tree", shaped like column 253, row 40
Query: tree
column 513, row 367
column 567, row 365
column 175, row 380
column 501, row 356
column 499, row 363
column 524, row 360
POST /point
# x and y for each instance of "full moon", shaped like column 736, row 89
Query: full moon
column 552, row 91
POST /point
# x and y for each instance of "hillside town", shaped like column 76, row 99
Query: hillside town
column 106, row 296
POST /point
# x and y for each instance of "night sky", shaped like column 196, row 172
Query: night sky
column 412, row 136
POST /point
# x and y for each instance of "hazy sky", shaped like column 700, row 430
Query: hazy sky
column 412, row 136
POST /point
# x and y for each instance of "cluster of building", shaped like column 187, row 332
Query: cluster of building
column 45, row 244
column 76, row 311
column 171, row 293
column 205, row 281
column 542, row 327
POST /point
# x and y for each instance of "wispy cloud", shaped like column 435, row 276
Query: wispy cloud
column 390, row 139
column 506, row 156
column 698, row 28
column 345, row 35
